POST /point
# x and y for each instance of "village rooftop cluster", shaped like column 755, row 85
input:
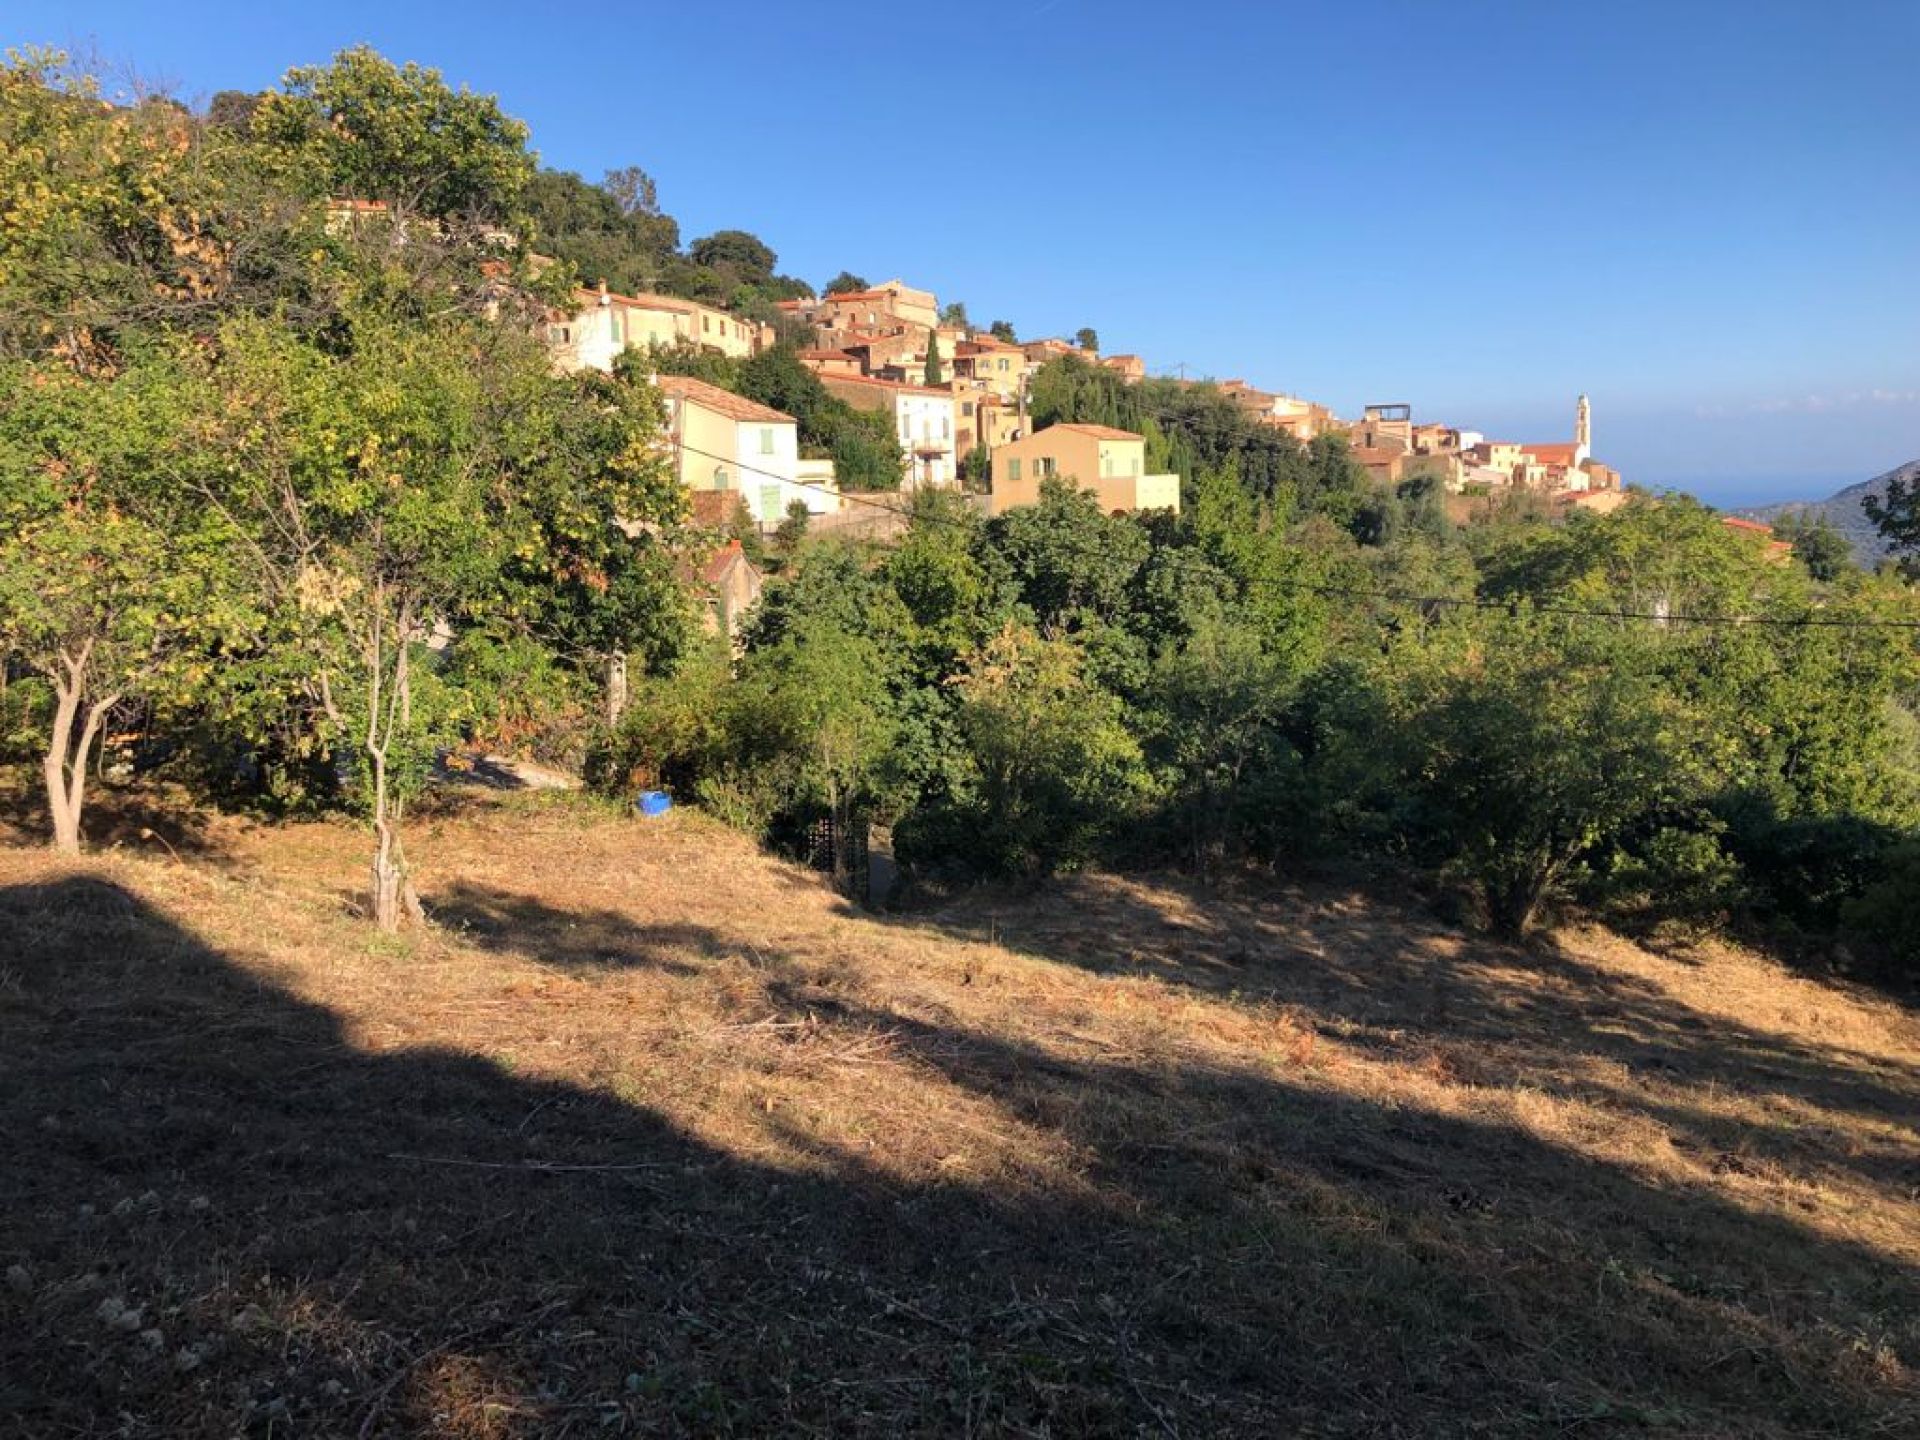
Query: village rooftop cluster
column 871, row 350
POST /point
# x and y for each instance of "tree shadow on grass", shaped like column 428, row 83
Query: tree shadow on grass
column 224, row 1217
column 130, row 817
column 1399, row 980
column 505, row 922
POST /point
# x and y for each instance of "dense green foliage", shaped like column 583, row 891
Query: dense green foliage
column 616, row 232
column 299, row 489
column 1895, row 513
column 1057, row 686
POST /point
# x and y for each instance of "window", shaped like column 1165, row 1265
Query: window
column 706, row 324
column 766, row 439
column 1003, row 363
column 946, row 427
column 966, row 408
column 1043, row 467
column 1013, row 469
column 1106, row 462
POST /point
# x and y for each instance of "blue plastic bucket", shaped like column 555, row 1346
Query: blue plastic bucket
column 653, row 802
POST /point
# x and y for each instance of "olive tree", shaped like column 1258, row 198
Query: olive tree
column 113, row 587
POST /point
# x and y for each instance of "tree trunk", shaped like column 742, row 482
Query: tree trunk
column 1513, row 906
column 64, row 766
column 56, row 765
column 395, row 901
column 616, row 687
column 387, row 874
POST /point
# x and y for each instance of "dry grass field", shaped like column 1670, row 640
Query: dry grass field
column 651, row 1134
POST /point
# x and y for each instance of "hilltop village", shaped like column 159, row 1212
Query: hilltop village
column 957, row 398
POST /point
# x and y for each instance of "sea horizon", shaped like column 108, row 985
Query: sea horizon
column 1745, row 492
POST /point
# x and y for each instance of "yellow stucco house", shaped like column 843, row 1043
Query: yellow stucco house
column 722, row 441
column 1110, row 463
column 994, row 364
column 605, row 323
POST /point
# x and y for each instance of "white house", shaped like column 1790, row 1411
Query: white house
column 923, row 421
column 723, row 441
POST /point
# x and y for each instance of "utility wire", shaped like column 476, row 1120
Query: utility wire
column 1394, row 597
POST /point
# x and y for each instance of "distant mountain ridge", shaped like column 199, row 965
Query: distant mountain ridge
column 1843, row 511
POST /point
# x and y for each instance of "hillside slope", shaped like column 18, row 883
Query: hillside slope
column 653, row 1135
column 1843, row 512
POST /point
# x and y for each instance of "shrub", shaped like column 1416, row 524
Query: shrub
column 671, row 734
column 1679, row 875
column 1051, row 769
column 1887, row 915
column 26, row 706
column 1803, row 870
column 515, row 697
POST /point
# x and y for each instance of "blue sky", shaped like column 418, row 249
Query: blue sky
column 1704, row 213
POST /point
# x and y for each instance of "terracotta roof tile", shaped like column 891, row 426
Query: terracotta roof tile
column 1099, row 432
column 715, row 570
column 1550, row 454
column 832, row 380
column 721, row 402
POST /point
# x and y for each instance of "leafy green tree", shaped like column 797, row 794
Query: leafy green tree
column 409, row 483
column 845, row 283
column 931, row 376
column 736, row 250
column 1087, row 338
column 597, row 585
column 1817, row 544
column 1532, row 749
column 1003, row 330
column 1896, row 515
column 115, row 587
column 600, row 235
column 954, row 313
column 952, row 595
column 976, row 470
column 632, row 190
column 1051, row 767
column 1217, row 705
column 122, row 220
column 1071, row 562
column 232, row 109
column 365, row 128
column 818, row 701
column 792, row 530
